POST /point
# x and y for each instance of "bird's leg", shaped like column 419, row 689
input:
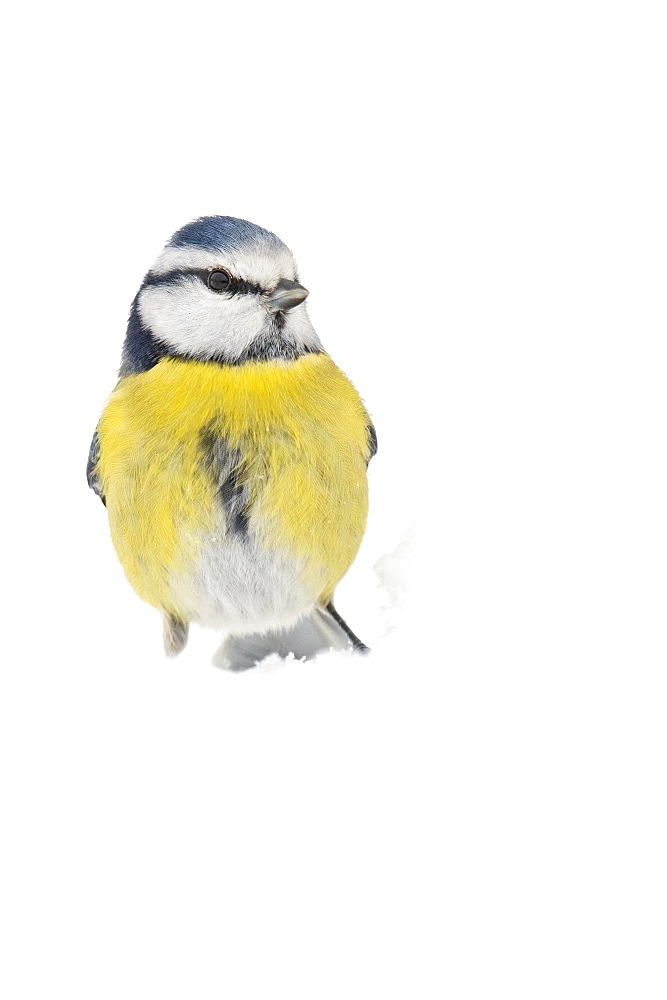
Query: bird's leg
column 175, row 634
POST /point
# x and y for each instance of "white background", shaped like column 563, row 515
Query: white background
column 475, row 194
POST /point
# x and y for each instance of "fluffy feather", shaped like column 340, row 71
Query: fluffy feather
column 232, row 454
column 302, row 431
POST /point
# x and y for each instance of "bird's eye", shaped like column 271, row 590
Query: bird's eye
column 219, row 281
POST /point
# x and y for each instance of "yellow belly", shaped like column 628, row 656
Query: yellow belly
column 302, row 431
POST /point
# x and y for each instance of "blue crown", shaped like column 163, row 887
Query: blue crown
column 221, row 232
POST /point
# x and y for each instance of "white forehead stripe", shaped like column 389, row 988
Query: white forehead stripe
column 260, row 264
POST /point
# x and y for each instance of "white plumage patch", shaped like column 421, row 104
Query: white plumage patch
column 262, row 263
column 192, row 319
column 242, row 588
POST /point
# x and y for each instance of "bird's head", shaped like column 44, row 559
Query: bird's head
column 221, row 290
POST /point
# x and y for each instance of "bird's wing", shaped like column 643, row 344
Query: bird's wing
column 372, row 442
column 92, row 469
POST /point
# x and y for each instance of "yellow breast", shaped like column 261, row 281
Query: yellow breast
column 302, row 432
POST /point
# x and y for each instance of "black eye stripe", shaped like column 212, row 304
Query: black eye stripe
column 237, row 286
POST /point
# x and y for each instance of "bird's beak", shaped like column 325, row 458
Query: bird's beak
column 287, row 295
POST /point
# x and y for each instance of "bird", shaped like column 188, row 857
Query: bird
column 232, row 454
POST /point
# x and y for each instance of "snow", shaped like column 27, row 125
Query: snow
column 475, row 198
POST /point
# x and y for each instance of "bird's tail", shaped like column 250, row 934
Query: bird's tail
column 321, row 630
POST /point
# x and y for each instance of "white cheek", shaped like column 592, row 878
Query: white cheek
column 299, row 330
column 193, row 320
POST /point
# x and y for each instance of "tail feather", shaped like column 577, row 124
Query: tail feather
column 321, row 630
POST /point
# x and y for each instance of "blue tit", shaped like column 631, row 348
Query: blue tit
column 232, row 454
